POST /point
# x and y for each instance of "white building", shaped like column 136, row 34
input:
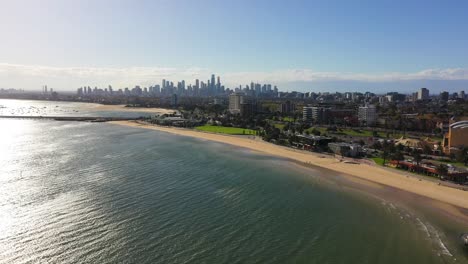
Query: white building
column 235, row 101
column 461, row 95
column 307, row 114
column 367, row 115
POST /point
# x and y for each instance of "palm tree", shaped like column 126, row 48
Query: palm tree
column 387, row 150
column 398, row 156
column 417, row 157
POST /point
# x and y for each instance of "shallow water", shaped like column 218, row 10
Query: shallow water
column 75, row 192
column 101, row 193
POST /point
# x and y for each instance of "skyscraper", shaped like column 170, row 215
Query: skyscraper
column 212, row 84
column 423, row 94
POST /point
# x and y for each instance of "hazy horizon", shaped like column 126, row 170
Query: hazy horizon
column 299, row 45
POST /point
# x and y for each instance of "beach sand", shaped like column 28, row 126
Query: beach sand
column 368, row 172
column 101, row 107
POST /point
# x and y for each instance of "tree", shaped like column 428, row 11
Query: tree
column 462, row 155
column 398, row 156
column 377, row 145
column 361, row 142
column 417, row 157
column 427, row 150
column 387, row 150
column 442, row 169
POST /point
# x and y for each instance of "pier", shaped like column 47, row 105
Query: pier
column 72, row 118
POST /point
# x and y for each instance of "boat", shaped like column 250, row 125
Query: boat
column 464, row 238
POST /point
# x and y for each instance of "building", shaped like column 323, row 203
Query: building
column 287, row 107
column 174, row 100
column 345, row 149
column 246, row 109
column 456, row 138
column 342, row 117
column 235, row 101
column 367, row 115
column 307, row 114
column 315, row 114
column 444, row 96
column 320, row 114
column 423, row 94
column 461, row 95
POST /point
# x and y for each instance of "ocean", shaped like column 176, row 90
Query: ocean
column 76, row 192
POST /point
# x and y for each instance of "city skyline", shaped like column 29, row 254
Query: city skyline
column 323, row 46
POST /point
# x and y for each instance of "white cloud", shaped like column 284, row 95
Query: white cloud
column 33, row 76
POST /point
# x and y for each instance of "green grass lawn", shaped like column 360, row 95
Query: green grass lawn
column 288, row 119
column 322, row 130
column 356, row 133
column 378, row 161
column 279, row 126
column 226, row 130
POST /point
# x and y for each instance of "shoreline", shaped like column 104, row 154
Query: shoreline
column 122, row 107
column 426, row 188
column 104, row 107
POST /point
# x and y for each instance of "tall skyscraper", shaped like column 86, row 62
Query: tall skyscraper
column 212, row 84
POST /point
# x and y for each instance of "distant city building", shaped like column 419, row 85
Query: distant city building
column 423, row 94
column 367, row 115
column 174, row 100
column 444, row 96
column 287, row 107
column 461, row 95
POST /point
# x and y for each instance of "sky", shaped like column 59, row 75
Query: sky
column 304, row 45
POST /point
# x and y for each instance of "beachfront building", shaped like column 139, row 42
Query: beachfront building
column 456, row 138
column 367, row 115
column 345, row 149
column 310, row 142
column 235, row 101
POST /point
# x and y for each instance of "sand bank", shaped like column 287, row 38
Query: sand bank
column 367, row 172
column 101, row 107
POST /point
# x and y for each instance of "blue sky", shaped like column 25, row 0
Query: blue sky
column 299, row 45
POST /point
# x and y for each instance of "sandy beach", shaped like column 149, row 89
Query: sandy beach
column 101, row 107
column 367, row 172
